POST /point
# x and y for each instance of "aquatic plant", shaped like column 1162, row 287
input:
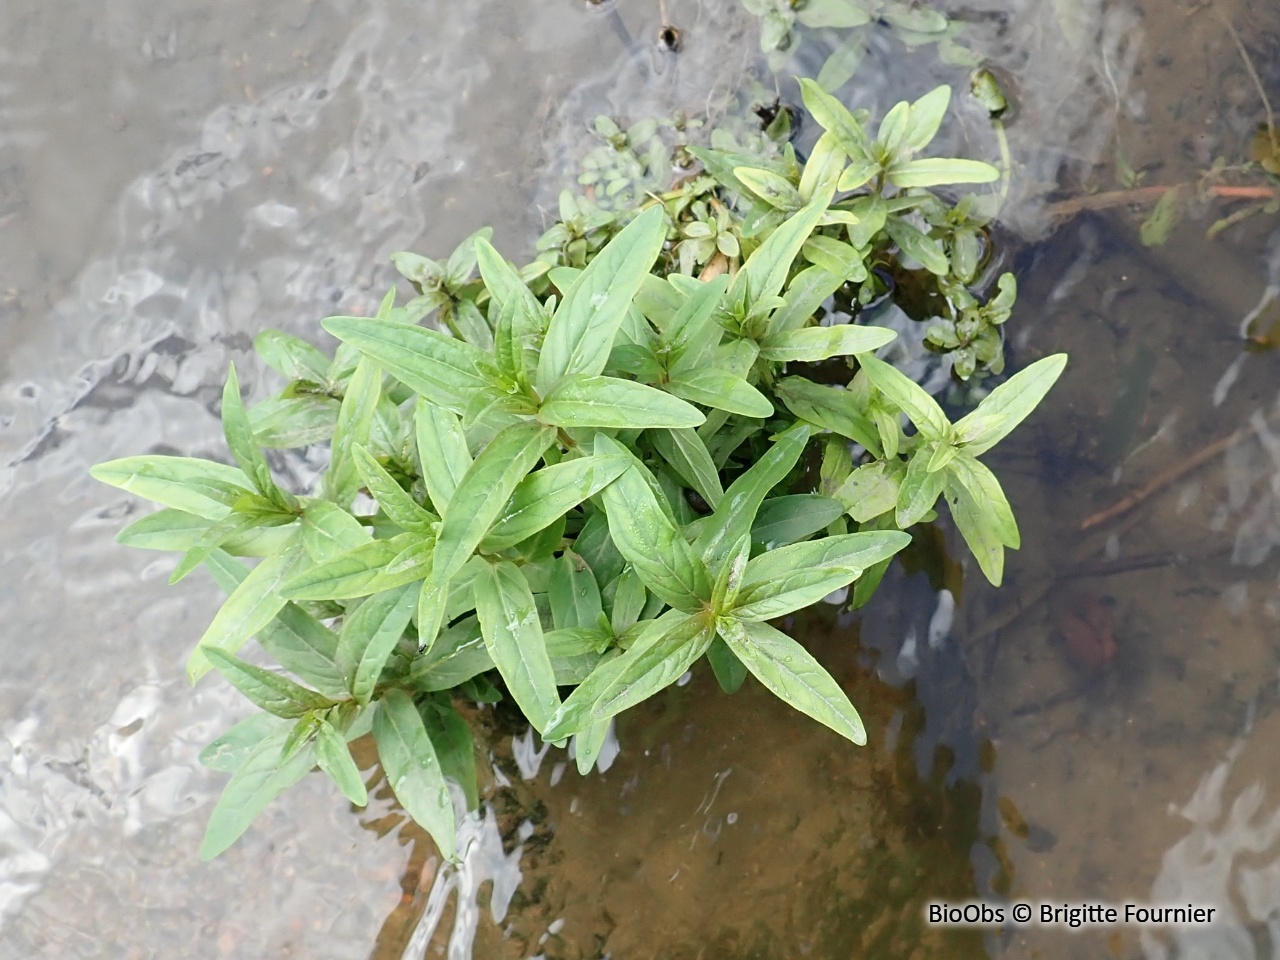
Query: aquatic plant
column 590, row 473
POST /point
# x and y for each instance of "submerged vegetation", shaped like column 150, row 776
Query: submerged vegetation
column 594, row 471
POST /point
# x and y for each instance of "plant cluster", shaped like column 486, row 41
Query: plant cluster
column 589, row 477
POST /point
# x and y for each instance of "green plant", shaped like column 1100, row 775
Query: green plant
column 594, row 479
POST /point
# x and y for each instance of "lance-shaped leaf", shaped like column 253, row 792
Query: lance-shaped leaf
column 907, row 395
column 328, row 531
column 272, row 692
column 202, row 487
column 334, row 758
column 511, row 297
column 924, row 118
column 239, row 435
column 647, row 538
column 299, row 642
column 819, row 343
column 283, row 423
column 855, row 550
column 513, row 636
column 292, row 358
column 355, row 420
column 351, row 574
column 732, row 520
column 458, row 654
column 830, row 408
column 920, row 489
column 546, row 495
column 231, row 526
column 574, row 595
column 729, row 670
column 262, row 776
column 413, row 769
column 444, row 369
column 660, row 655
column 442, row 451
column 369, row 634
column 721, row 390
column 836, row 119
column 871, row 489
column 177, row 530
column 978, row 530
column 985, row 490
column 400, row 508
column 250, row 607
column 455, row 746
column 611, row 403
column 692, row 329
column 808, row 291
column 227, row 752
column 688, row 456
column 765, row 272
column 588, row 744
column 794, row 590
column 917, row 245
column 791, row 672
column 582, row 330
column 938, row 171
column 484, row 491
column 772, row 189
column 1008, row 405
column 790, row 519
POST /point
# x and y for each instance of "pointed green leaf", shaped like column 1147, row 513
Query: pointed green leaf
column 272, row 692
column 819, row 343
column 835, row 118
column 574, row 594
column 483, row 492
column 328, row 531
column 351, row 574
column 918, row 246
column 1008, row 405
column 413, row 769
column 919, row 491
column 854, row 550
column 334, row 758
column 249, row 608
column 721, row 390
column 607, row 402
column 924, row 119
column 291, row 357
column 985, row 491
column 907, row 395
column 458, row 655
column 400, row 508
column 262, row 776
column 355, row 420
column 765, row 272
column 369, row 635
column 786, row 520
column 582, row 331
column 791, row 672
column 688, row 456
column 737, row 510
column 548, row 494
column 588, row 744
column 513, row 636
column 648, row 539
column 792, row 591
column 729, row 670
column 445, row 370
column 442, row 451
column 872, row 489
column 660, row 655
column 937, row 171
column 202, row 487
column 235, row 427
column 978, row 530
column 772, row 189
column 226, row 753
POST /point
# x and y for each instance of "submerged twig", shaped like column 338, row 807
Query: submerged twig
column 1124, row 198
column 1170, row 476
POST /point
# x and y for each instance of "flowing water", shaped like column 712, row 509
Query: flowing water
column 176, row 176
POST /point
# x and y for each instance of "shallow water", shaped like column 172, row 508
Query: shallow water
column 174, row 177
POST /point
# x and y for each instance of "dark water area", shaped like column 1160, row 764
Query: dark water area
column 175, row 177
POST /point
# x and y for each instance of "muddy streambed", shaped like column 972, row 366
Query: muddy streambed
column 174, row 177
